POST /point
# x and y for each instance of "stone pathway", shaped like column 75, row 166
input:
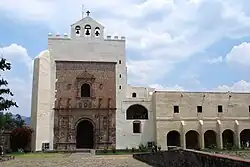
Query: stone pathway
column 77, row 160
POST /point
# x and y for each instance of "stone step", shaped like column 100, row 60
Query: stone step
column 90, row 151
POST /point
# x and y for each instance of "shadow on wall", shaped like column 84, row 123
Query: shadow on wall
column 189, row 158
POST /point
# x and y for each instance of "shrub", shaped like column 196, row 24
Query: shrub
column 113, row 149
column 133, row 149
column 142, row 148
column 159, row 148
column 105, row 150
column 150, row 144
column 21, row 139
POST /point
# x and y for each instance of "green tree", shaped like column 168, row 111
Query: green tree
column 8, row 121
column 18, row 121
column 5, row 103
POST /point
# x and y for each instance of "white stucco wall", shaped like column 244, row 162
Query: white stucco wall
column 141, row 92
column 128, row 139
column 41, row 99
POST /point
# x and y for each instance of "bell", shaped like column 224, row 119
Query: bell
column 87, row 32
column 97, row 33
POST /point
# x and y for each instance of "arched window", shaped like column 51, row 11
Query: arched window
column 85, row 90
column 137, row 111
column 134, row 94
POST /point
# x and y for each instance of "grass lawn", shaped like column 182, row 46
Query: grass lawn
column 37, row 155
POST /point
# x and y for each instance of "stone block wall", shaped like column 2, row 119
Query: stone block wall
column 5, row 141
column 189, row 158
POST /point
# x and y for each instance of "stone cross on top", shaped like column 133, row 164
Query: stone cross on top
column 88, row 12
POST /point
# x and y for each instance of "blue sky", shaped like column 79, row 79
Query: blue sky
column 193, row 45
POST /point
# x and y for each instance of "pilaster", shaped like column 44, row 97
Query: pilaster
column 183, row 136
column 201, row 143
column 219, row 135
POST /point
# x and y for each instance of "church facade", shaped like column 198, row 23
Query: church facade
column 81, row 99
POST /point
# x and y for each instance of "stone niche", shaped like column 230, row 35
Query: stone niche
column 189, row 158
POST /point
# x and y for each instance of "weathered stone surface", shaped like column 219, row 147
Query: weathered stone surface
column 77, row 160
column 71, row 108
column 6, row 158
column 5, row 140
column 189, row 158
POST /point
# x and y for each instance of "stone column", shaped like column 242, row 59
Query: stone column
column 201, row 143
column 219, row 135
column 236, row 134
column 183, row 136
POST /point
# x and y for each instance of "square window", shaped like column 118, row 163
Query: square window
column 199, row 109
column 220, row 109
column 45, row 146
column 136, row 127
column 176, row 109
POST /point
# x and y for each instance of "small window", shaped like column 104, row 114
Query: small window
column 120, row 62
column 45, row 146
column 134, row 94
column 120, row 75
column 220, row 108
column 80, row 105
column 68, row 86
column 120, row 87
column 176, row 109
column 248, row 108
column 85, row 90
column 136, row 127
column 199, row 109
column 100, row 102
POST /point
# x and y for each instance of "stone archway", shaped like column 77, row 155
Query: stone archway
column 210, row 139
column 85, row 134
column 228, row 138
column 174, row 138
column 245, row 138
column 192, row 140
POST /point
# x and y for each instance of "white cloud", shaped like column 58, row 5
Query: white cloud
column 215, row 60
column 239, row 55
column 166, row 31
column 16, row 53
column 21, row 63
column 159, row 87
column 240, row 86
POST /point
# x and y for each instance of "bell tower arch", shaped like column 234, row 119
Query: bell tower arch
column 87, row 28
